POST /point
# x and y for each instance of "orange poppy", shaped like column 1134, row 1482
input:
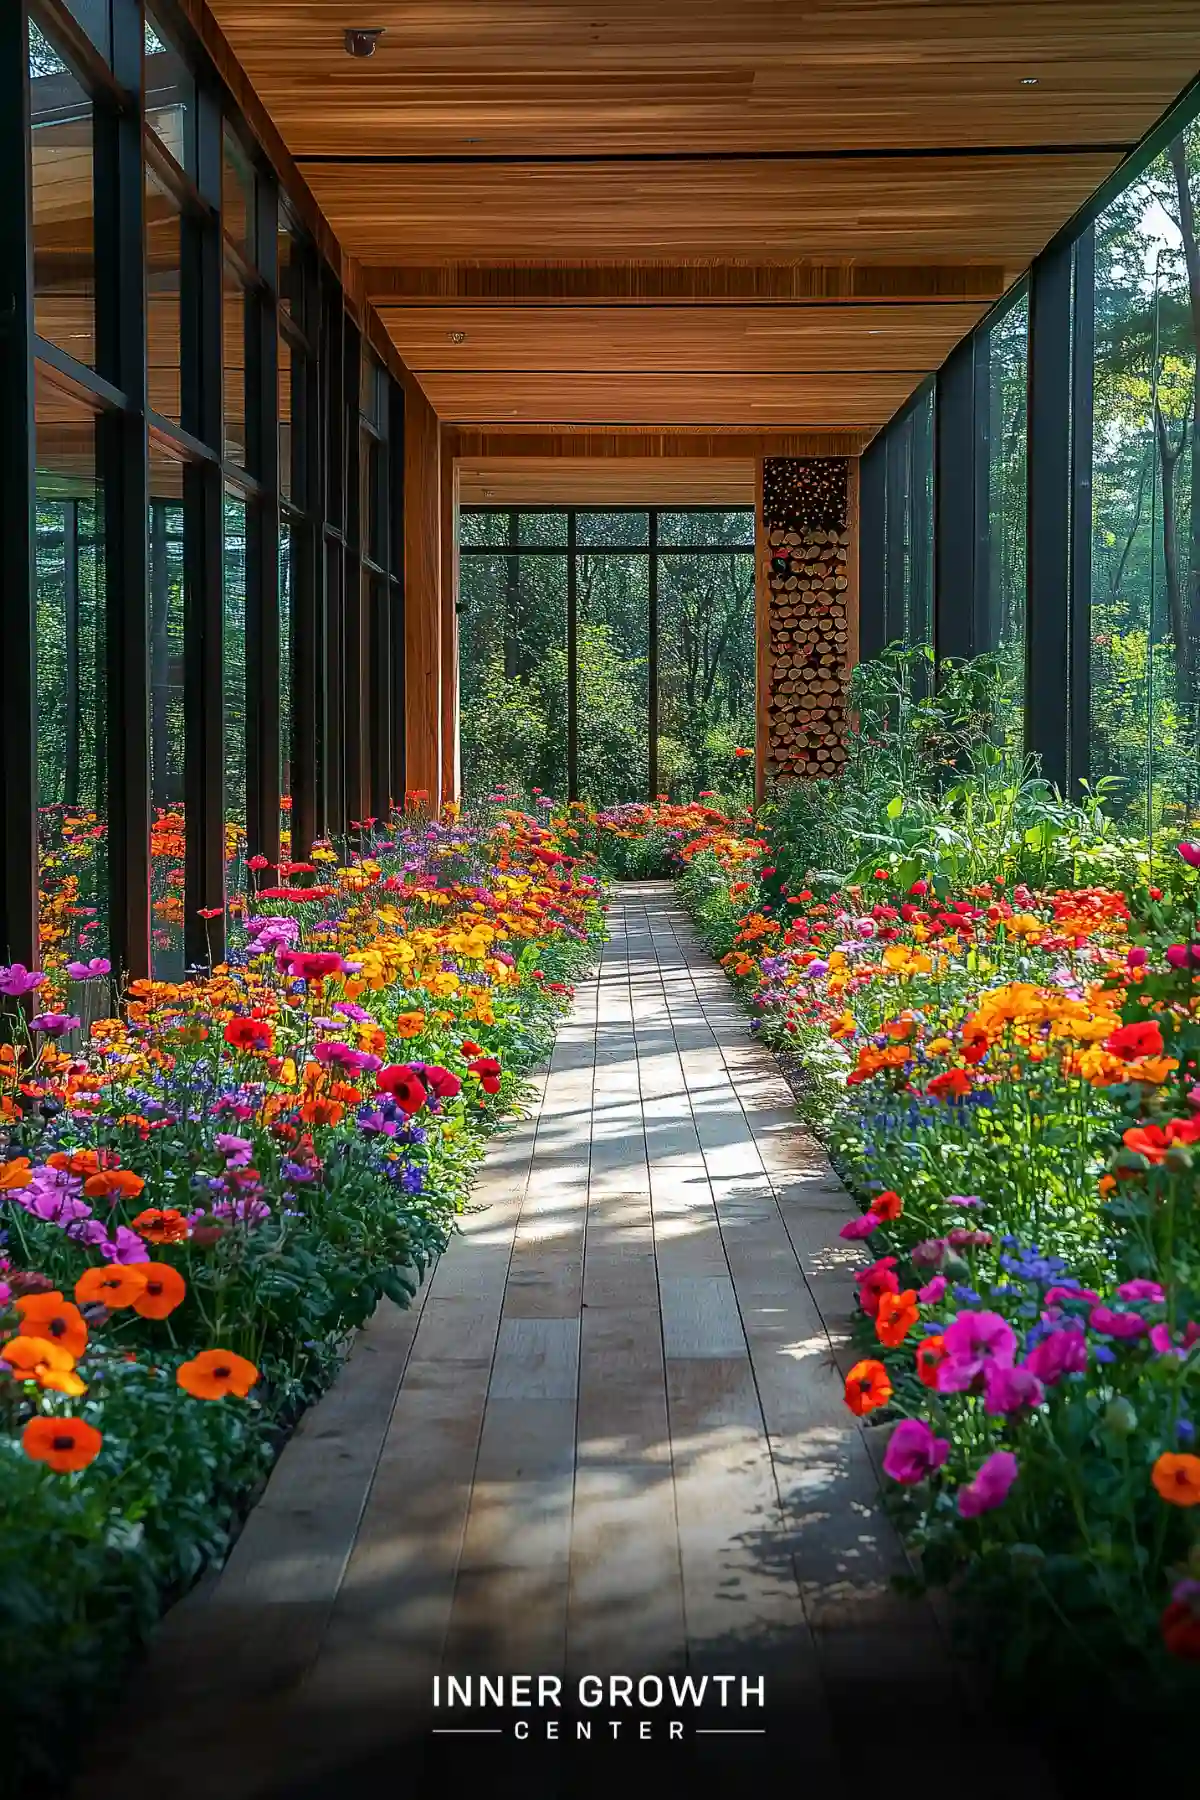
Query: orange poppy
column 867, row 1387
column 322, row 1112
column 897, row 1315
column 1177, row 1478
column 931, row 1354
column 83, row 1162
column 409, row 1024
column 50, row 1316
column 215, row 1373
column 161, row 1225
column 113, row 1184
column 64, row 1445
column 165, row 1289
column 888, row 1205
column 15, row 1174
column 115, row 1285
column 40, row 1360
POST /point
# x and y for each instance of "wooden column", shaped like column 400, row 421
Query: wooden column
column 422, row 597
column 449, row 597
column 806, row 614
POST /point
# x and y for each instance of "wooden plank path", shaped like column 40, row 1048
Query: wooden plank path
column 609, row 1437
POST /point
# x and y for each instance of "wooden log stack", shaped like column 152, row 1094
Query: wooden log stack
column 807, row 547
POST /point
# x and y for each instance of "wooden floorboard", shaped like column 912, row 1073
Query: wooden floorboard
column 608, row 1437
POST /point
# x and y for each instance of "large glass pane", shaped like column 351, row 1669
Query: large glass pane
column 919, row 533
column 685, row 530
column 96, row 20
column 290, row 274
column 1146, row 497
column 170, row 97
column 1008, row 368
column 234, row 306
column 613, row 634
column 612, row 528
column 233, row 684
column 479, row 529
column 536, row 528
column 237, row 197
column 71, row 680
column 64, row 250
column 706, row 668
column 513, row 673
column 168, row 831
column 164, row 263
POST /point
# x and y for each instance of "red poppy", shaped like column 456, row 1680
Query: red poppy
column 931, row 1353
column 888, row 1205
column 1153, row 1141
column 951, row 1084
column 404, row 1085
column 315, row 965
column 487, row 1069
column 1180, row 1626
column 874, row 1284
column 470, row 1048
column 442, row 1082
column 1141, row 1039
column 249, row 1034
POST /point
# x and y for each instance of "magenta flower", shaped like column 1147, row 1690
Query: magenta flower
column 1008, row 1390
column 16, row 979
column 1062, row 1353
column 1138, row 957
column 913, row 1453
column 990, row 1487
column 1110, row 1323
column 932, row 1291
column 862, row 1227
column 89, row 971
column 974, row 1341
column 1180, row 955
column 125, row 1246
column 963, row 1200
column 1190, row 854
column 1055, row 1296
column 1142, row 1290
column 55, row 1024
column 237, row 1151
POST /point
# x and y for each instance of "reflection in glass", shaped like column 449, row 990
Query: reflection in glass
column 170, row 97
column 513, row 660
column 1145, row 617
column 71, row 679
column 613, row 639
column 612, row 528
column 285, row 659
column 234, row 310
column 96, row 20
column 64, row 250
column 167, row 835
column 233, row 682
column 290, row 274
column 706, row 668
column 237, row 197
column 164, row 263
column 1008, row 366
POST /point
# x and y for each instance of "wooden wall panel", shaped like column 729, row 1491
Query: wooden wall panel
column 898, row 209
column 829, row 402
column 422, row 596
column 631, row 481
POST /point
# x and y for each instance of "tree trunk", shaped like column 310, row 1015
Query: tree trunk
column 1169, row 456
column 1191, row 256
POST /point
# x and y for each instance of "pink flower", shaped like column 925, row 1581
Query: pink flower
column 1190, row 854
column 125, row 1246
column 932, row 1291
column 1138, row 957
column 929, row 1254
column 1008, row 1390
column 89, row 971
column 1142, row 1290
column 974, row 1342
column 990, row 1486
column 862, row 1227
column 17, row 979
column 1111, row 1323
column 1062, row 1353
column 237, row 1151
column 1056, row 1295
column 1180, row 955
column 962, row 1239
column 913, row 1453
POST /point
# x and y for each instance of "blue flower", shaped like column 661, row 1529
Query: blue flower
column 1185, row 1431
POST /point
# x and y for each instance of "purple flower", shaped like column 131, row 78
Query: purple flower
column 351, row 1011
column 1007, row 1390
column 816, row 969
column 125, row 1246
column 963, row 1200
column 237, row 1151
column 249, row 1211
column 933, row 1290
column 990, row 1487
column 1060, row 1353
column 974, row 1342
column 55, row 1024
column 272, row 933
column 89, row 971
column 16, row 979
column 913, row 1453
column 929, row 1254
column 1117, row 1324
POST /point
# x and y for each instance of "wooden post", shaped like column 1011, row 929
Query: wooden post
column 449, row 607
column 422, row 598
column 762, row 640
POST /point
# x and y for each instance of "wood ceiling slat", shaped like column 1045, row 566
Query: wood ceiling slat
column 887, row 208
column 683, row 339
column 640, row 481
column 622, row 76
column 646, row 283
column 829, row 402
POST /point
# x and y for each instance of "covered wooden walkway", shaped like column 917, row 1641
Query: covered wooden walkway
column 608, row 1438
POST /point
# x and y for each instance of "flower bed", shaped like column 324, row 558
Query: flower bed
column 1007, row 1079
column 204, row 1200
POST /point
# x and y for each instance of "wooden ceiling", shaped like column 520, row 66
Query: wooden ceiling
column 700, row 214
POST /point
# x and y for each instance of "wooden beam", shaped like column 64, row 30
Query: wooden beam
column 607, row 481
column 422, row 596
column 710, row 283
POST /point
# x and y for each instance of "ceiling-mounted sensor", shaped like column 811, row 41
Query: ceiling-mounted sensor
column 362, row 43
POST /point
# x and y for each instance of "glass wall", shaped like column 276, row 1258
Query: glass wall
column 1007, row 507
column 274, row 521
column 564, row 616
